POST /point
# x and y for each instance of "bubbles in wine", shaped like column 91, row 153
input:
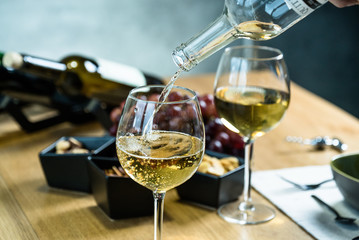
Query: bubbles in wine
column 157, row 163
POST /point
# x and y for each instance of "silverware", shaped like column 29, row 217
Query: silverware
column 338, row 218
column 319, row 143
column 306, row 186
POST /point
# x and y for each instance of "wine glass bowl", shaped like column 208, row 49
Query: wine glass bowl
column 160, row 144
column 252, row 94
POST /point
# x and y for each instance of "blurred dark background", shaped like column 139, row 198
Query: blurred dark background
column 321, row 51
column 322, row 54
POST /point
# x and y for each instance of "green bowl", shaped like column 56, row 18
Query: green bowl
column 345, row 169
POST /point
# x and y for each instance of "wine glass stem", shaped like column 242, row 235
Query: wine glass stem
column 247, row 175
column 159, row 204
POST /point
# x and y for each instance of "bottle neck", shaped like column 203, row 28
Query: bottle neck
column 28, row 64
column 217, row 35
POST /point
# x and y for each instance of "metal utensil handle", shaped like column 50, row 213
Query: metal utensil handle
column 326, row 205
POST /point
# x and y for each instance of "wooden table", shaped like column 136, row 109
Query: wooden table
column 29, row 209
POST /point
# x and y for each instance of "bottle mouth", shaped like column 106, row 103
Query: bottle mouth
column 12, row 60
column 182, row 60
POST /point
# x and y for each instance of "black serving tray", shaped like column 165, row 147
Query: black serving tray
column 118, row 197
column 70, row 170
column 213, row 191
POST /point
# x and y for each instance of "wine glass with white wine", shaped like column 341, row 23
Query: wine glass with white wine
column 160, row 144
column 252, row 92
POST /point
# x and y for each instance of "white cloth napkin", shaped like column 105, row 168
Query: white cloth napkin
column 301, row 207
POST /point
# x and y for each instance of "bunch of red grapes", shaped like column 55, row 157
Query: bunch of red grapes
column 218, row 137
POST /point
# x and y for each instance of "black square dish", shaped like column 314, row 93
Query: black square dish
column 118, row 197
column 213, row 191
column 70, row 170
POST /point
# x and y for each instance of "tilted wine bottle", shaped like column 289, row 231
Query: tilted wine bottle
column 76, row 75
column 255, row 20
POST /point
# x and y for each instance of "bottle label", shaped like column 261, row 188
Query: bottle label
column 120, row 73
column 304, row 7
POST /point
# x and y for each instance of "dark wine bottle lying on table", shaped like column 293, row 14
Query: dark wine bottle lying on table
column 74, row 86
column 76, row 75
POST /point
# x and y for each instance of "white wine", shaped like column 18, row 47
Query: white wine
column 252, row 111
column 160, row 160
column 256, row 30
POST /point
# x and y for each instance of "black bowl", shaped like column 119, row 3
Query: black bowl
column 70, row 170
column 118, row 197
column 345, row 169
column 213, row 191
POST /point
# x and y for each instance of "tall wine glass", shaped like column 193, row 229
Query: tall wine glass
column 160, row 144
column 251, row 96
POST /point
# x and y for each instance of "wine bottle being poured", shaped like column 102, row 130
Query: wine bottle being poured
column 255, row 19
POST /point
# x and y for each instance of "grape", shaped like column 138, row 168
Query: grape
column 224, row 138
column 221, row 139
column 208, row 98
column 154, row 97
column 208, row 108
column 115, row 114
column 218, row 137
column 113, row 130
column 211, row 110
column 190, row 111
column 185, row 97
column 237, row 152
column 164, row 125
column 238, row 145
column 174, row 111
column 214, row 126
column 216, row 146
column 176, row 123
column 160, row 117
column 175, row 96
column 208, row 139
column 203, row 106
column 142, row 97
column 235, row 138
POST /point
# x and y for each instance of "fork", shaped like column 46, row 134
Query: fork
column 306, row 186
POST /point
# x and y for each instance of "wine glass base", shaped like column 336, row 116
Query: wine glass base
column 258, row 213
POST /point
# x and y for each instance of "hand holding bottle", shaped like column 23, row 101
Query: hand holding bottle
column 344, row 3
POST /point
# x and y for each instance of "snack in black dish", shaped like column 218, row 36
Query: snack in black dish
column 65, row 165
column 118, row 196
column 210, row 190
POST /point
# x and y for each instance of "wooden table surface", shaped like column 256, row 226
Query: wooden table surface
column 29, row 209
